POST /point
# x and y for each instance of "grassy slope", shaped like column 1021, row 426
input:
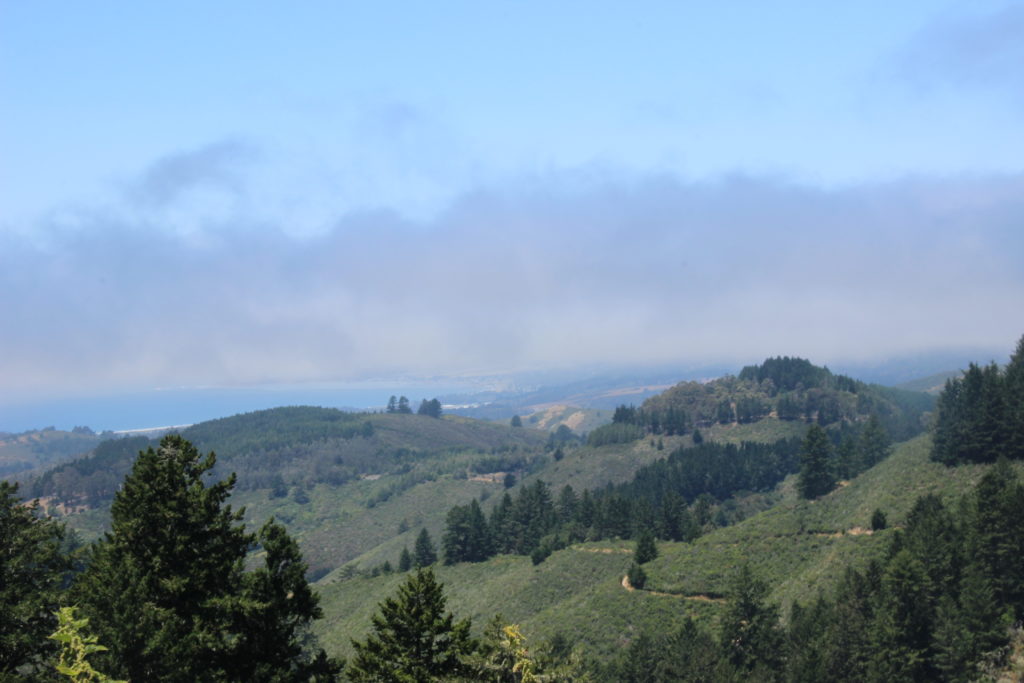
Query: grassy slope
column 798, row 547
column 37, row 449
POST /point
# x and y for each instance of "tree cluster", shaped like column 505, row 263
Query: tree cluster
column 981, row 415
column 431, row 408
column 942, row 600
column 670, row 498
column 165, row 591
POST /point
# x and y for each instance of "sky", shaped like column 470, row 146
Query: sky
column 229, row 194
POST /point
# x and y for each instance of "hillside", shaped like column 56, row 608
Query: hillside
column 798, row 547
column 36, row 449
column 356, row 488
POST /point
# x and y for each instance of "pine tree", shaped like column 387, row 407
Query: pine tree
column 874, row 444
column 32, row 567
column 424, row 552
column 816, row 478
column 165, row 589
column 750, row 635
column 403, row 406
column 280, row 604
column 392, row 404
column 413, row 639
column 646, row 549
column 636, row 577
column 405, row 560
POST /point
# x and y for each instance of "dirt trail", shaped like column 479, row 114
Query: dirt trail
column 698, row 597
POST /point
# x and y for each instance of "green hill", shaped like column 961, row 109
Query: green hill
column 798, row 547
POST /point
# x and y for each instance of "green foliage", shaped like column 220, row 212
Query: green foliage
column 637, row 577
column 646, row 549
column 878, row 520
column 405, row 560
column 424, row 552
column 414, row 638
column 166, row 592
column 33, row 565
column 75, row 646
column 431, row 408
column 466, row 537
column 816, row 477
column 750, row 635
column 981, row 416
column 613, row 433
column 516, row 421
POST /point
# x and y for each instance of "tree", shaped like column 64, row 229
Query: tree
column 750, row 634
column 424, row 553
column 816, row 478
column 405, row 560
column 32, row 567
column 403, row 406
column 874, row 444
column 165, row 589
column 466, row 537
column 636, row 577
column 279, row 607
column 413, row 639
column 392, row 404
column 646, row 549
column 516, row 421
column 878, row 520
column 431, row 408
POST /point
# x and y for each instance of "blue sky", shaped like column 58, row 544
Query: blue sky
column 229, row 193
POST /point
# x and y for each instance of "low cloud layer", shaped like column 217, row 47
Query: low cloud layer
column 562, row 270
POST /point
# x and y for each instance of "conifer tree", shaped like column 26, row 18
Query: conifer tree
column 646, row 549
column 424, row 552
column 874, row 444
column 32, row 567
column 816, row 478
column 405, row 560
column 165, row 589
column 414, row 638
column 750, row 635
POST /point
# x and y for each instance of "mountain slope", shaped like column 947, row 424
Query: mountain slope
column 798, row 547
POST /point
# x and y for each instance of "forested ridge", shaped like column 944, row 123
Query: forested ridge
column 205, row 598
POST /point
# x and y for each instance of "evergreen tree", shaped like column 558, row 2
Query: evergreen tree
column 636, row 577
column 405, row 560
column 466, row 537
column 901, row 630
column 280, row 604
column 874, row 444
column 424, row 552
column 646, row 549
column 392, row 404
column 165, row 589
column 32, row 567
column 431, row 408
column 847, row 461
column 815, row 472
column 403, row 406
column 413, row 639
column 878, row 520
column 997, row 533
column 750, row 635
column 1014, row 394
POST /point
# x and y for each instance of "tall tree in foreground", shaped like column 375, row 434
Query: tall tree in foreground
column 32, row 567
column 165, row 589
column 816, row 478
column 413, row 639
